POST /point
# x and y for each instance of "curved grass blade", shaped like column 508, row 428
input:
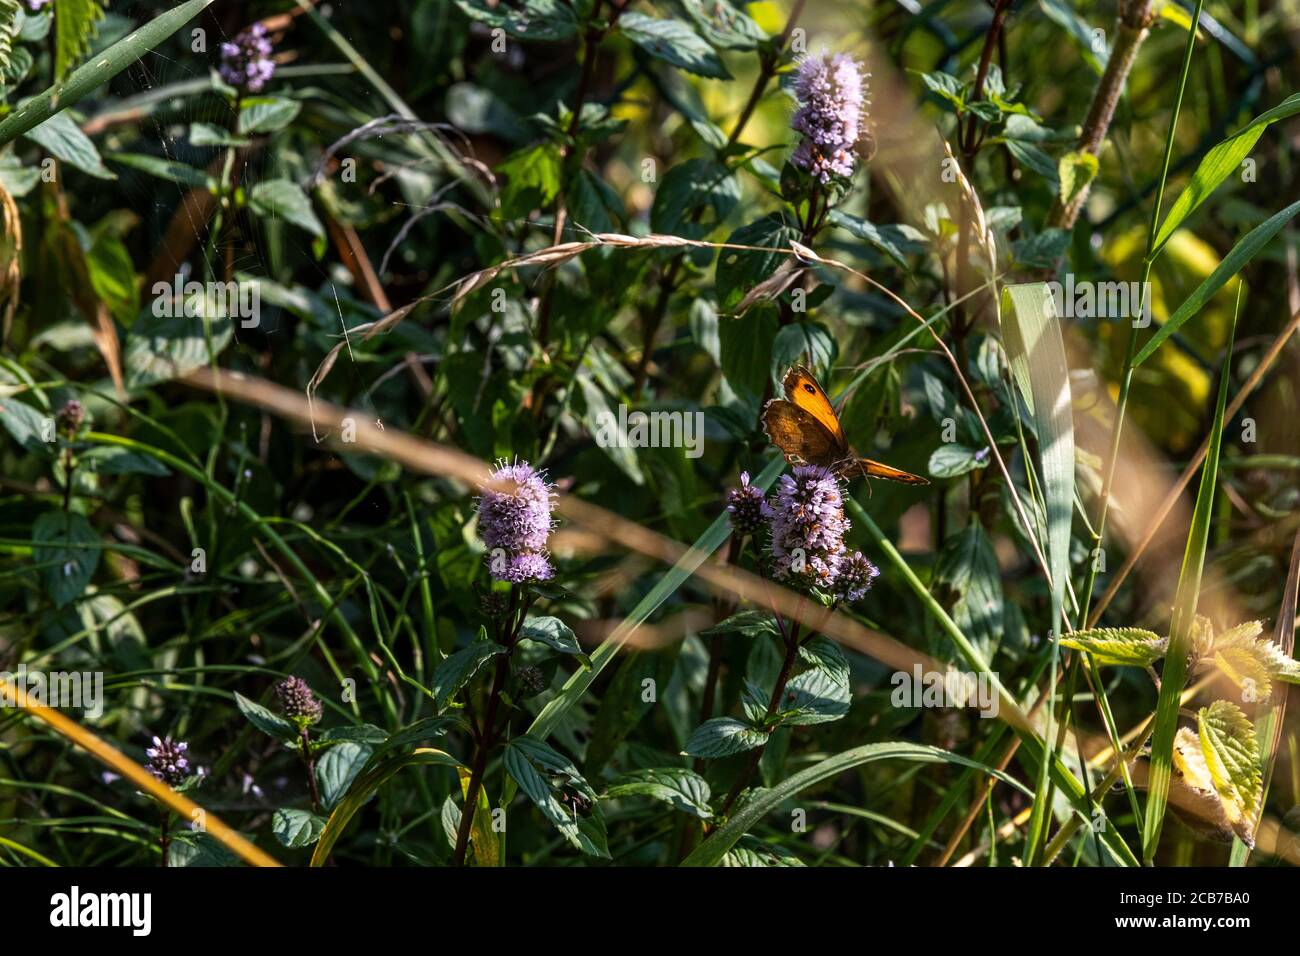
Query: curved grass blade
column 1232, row 263
column 365, row 786
column 102, row 68
column 1218, row 164
column 712, row 850
column 1174, row 676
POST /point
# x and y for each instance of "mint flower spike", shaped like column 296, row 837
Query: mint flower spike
column 168, row 761
column 515, row 521
column 746, row 506
column 297, row 701
column 832, row 100
column 808, row 527
column 247, row 62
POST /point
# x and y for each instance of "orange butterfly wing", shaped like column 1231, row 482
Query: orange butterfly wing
column 806, row 428
column 802, row 389
column 800, row 436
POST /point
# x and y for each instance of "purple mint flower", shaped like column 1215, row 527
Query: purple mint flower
column 35, row 5
column 527, row 566
column 246, row 62
column 745, row 505
column 808, row 527
column 297, row 701
column 514, row 519
column 856, row 576
column 831, row 101
column 167, row 761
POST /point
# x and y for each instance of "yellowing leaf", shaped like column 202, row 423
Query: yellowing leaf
column 1119, row 646
column 1232, row 758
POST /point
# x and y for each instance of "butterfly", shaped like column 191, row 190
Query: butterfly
column 806, row 429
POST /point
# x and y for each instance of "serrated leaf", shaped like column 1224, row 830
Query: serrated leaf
column 282, row 199
column 680, row 788
column 673, row 42
column 63, row 139
column 10, row 14
column 1119, row 646
column 1075, row 171
column 745, row 623
column 827, row 656
column 272, row 725
column 723, row 736
column 267, row 114
column 296, row 828
column 453, row 672
column 547, row 20
column 813, row 697
column 532, row 764
column 1232, row 758
column 339, row 766
column 554, row 633
column 75, row 26
column 67, row 549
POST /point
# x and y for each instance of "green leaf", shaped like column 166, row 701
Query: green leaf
column 739, row 270
column 678, row 787
column 828, row 657
column 763, row 802
column 693, row 197
column 673, row 42
column 455, row 671
column 543, row 20
column 952, row 459
column 67, row 549
column 167, row 169
column 1076, row 170
column 98, row 71
column 273, row 725
column 63, row 139
column 161, row 348
column 296, row 828
column 339, row 766
column 282, row 199
column 205, row 134
column 724, row 25
column 722, row 736
column 267, row 114
column 1224, row 159
column 1232, row 263
column 1119, row 646
column 813, row 697
column 554, row 633
column 748, row 624
column 27, row 425
column 75, row 26
column 1232, row 757
column 532, row 764
column 10, row 15
column 896, row 241
column 968, row 579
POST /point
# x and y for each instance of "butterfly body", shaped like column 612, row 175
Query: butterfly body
column 806, row 429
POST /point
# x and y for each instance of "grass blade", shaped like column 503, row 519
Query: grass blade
column 1218, row 164
column 712, row 850
column 1174, row 676
column 102, row 68
column 1232, row 263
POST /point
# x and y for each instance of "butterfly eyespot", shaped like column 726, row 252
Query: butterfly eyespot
column 809, row 389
